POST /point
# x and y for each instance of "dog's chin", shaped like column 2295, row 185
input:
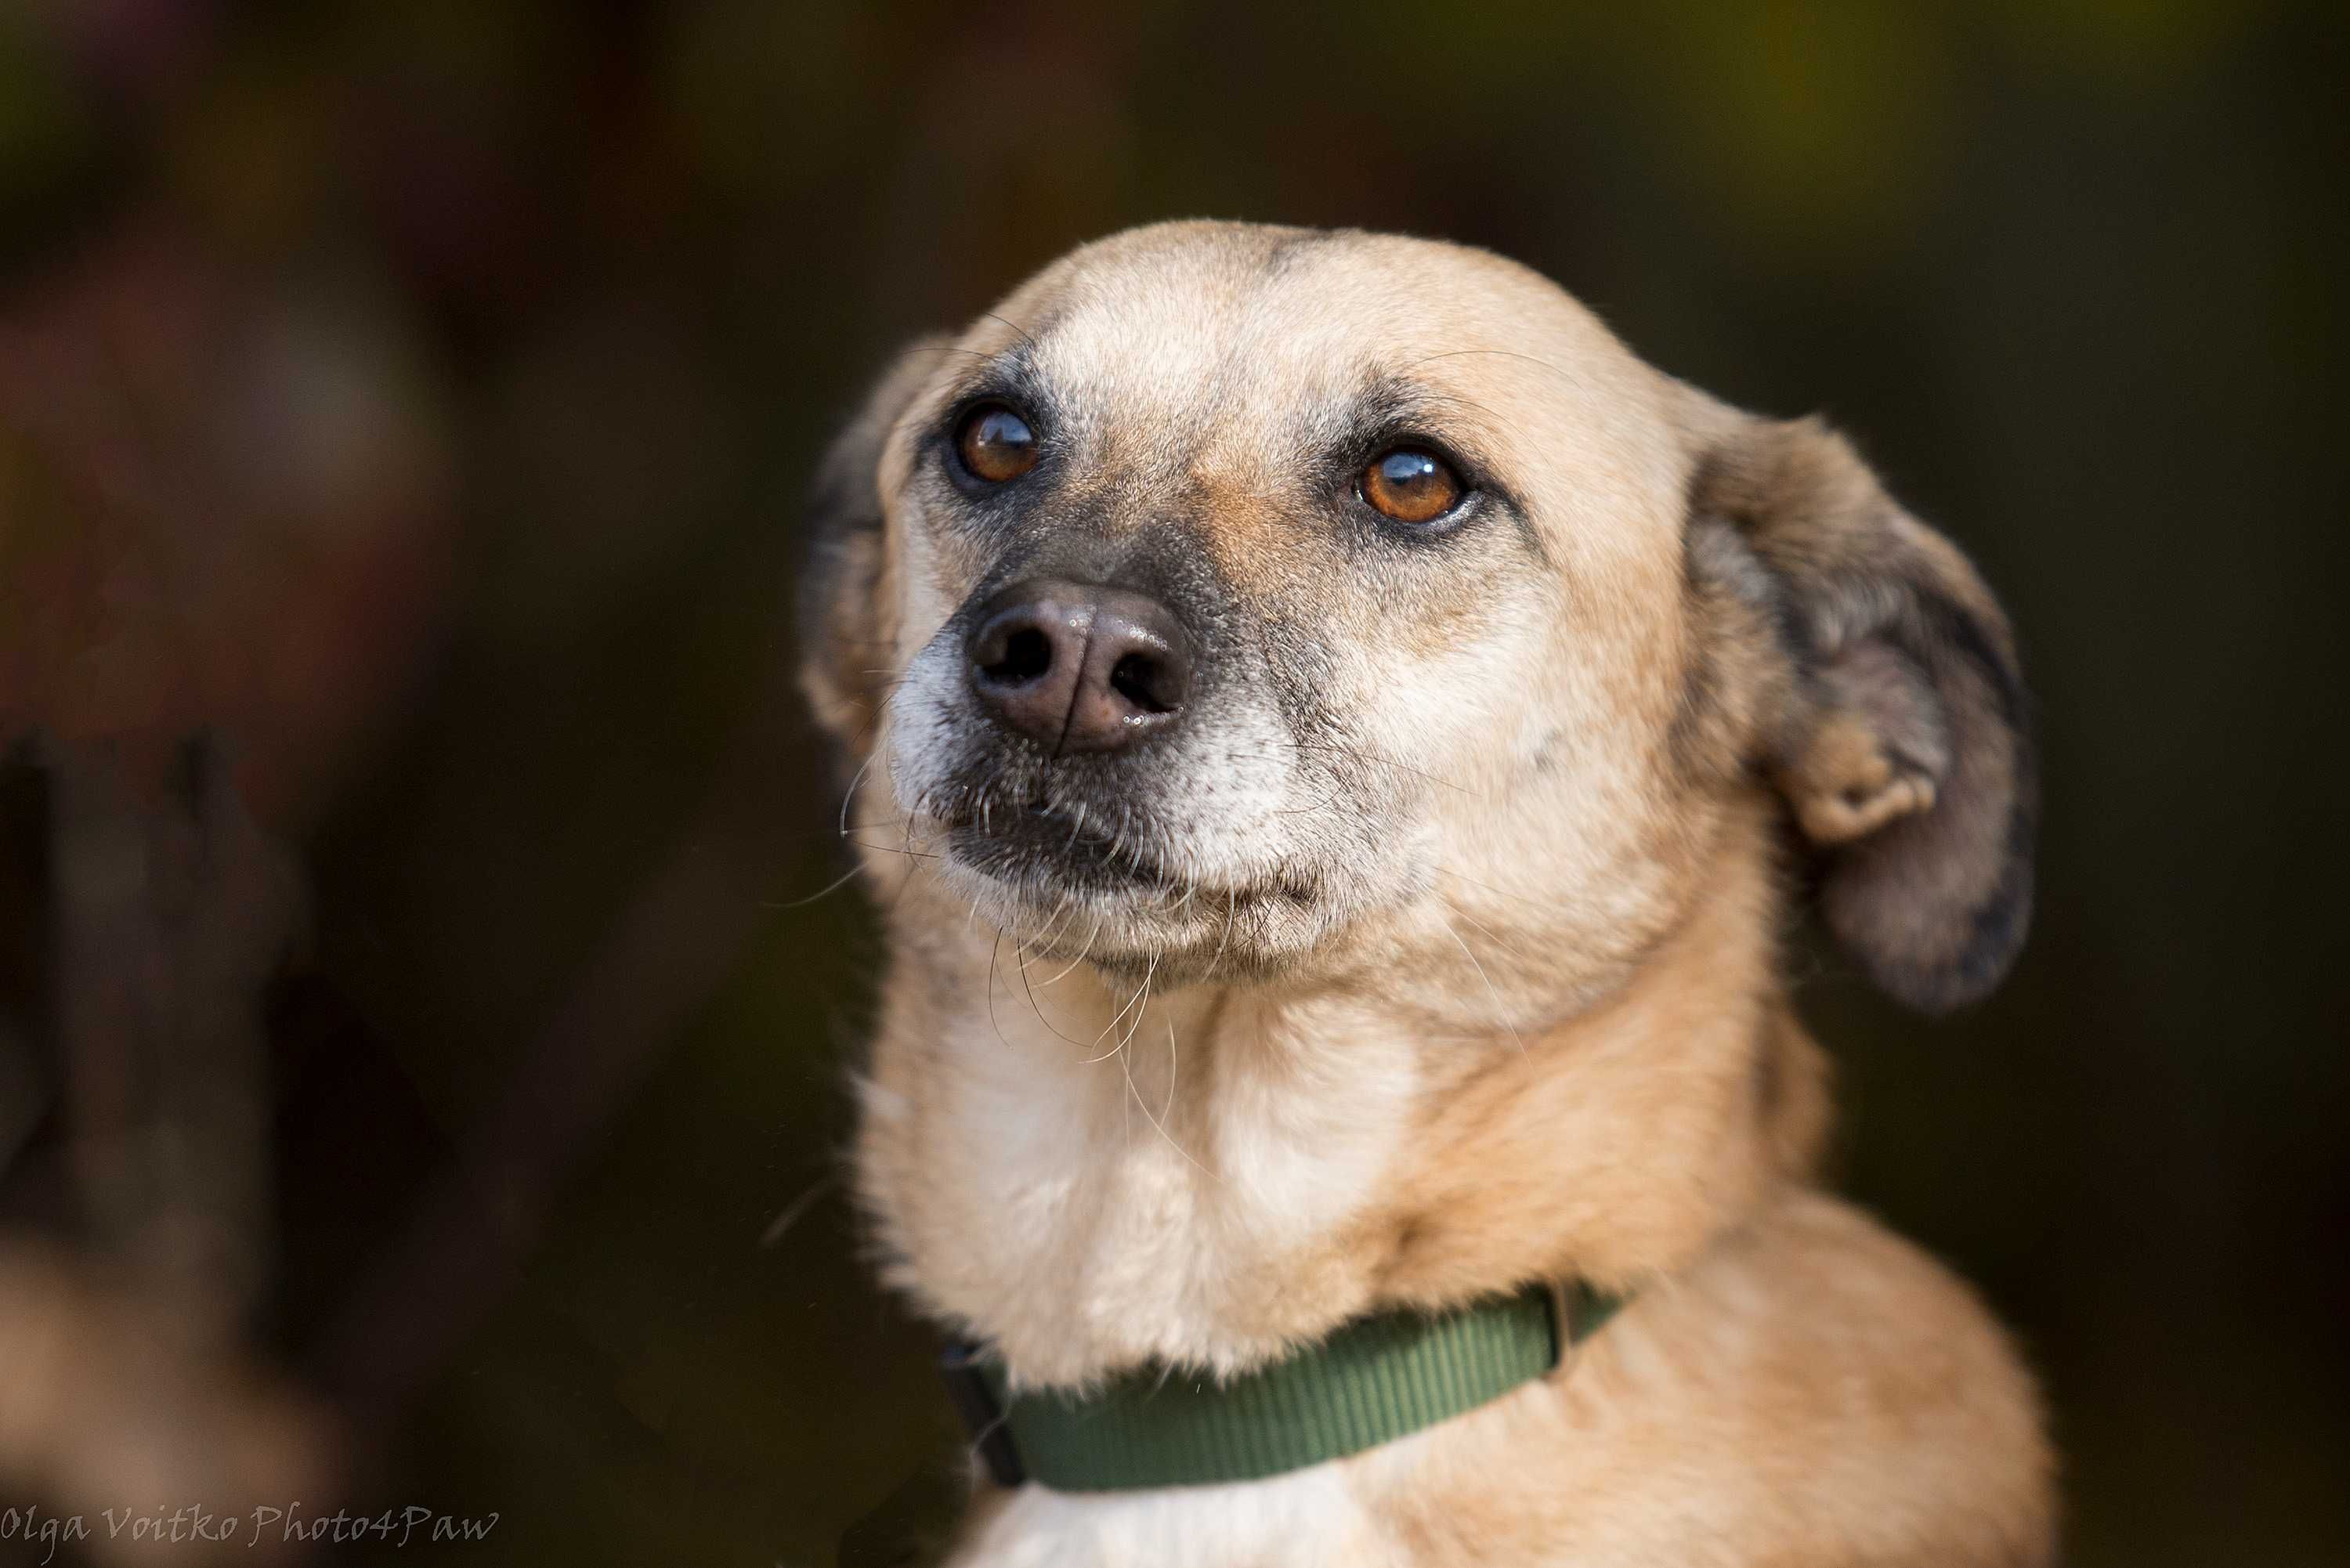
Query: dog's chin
column 1062, row 892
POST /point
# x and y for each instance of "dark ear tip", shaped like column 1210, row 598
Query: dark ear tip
column 1934, row 993
column 1938, row 984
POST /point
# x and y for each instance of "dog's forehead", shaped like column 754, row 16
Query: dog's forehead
column 1238, row 333
column 1156, row 330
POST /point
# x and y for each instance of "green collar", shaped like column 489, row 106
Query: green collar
column 1376, row 1379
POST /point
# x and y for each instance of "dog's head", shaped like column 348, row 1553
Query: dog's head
column 1237, row 600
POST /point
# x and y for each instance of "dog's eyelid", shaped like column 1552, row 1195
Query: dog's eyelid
column 993, row 394
column 1414, row 429
column 1009, row 379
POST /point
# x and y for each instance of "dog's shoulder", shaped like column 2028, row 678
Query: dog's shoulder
column 1826, row 1391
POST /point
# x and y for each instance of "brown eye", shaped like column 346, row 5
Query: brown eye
column 1411, row 486
column 996, row 444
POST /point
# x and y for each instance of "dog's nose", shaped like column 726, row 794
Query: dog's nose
column 1079, row 669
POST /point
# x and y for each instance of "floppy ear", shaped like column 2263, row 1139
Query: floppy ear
column 845, row 628
column 1896, row 722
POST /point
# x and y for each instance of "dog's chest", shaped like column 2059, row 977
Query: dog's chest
column 1309, row 1517
column 1194, row 1195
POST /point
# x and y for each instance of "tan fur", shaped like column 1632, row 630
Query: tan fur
column 1475, row 979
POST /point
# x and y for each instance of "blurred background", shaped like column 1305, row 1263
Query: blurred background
column 422, row 1047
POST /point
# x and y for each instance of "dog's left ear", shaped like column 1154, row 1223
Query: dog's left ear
column 1895, row 722
column 844, row 622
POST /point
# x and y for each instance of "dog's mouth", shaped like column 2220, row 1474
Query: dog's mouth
column 1045, row 852
column 1089, row 875
column 1048, row 848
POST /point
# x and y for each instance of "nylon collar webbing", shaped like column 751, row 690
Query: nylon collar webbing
column 1376, row 1379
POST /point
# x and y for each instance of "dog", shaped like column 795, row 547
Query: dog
column 1338, row 744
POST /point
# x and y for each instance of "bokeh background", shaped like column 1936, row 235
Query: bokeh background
column 418, row 397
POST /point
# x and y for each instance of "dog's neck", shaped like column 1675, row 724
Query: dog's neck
column 1092, row 1180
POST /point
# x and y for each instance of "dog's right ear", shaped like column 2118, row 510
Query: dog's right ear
column 846, row 628
column 1883, row 701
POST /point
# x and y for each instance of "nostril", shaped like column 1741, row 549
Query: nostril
column 1027, row 654
column 1079, row 667
column 1145, row 682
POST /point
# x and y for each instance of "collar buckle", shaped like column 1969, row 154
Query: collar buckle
column 983, row 1417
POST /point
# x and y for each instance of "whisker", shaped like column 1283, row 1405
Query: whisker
column 1363, row 754
column 1489, row 934
column 1528, row 899
column 1154, row 1121
column 1082, row 952
column 992, row 954
column 1496, row 995
column 1023, row 331
column 855, row 781
column 1142, row 992
column 835, row 886
column 1505, row 353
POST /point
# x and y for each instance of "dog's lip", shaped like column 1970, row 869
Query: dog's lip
column 1051, row 844
column 1057, row 842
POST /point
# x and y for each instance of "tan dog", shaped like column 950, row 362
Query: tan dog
column 1336, row 735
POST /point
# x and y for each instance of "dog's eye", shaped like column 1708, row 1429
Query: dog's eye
column 1411, row 486
column 995, row 444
